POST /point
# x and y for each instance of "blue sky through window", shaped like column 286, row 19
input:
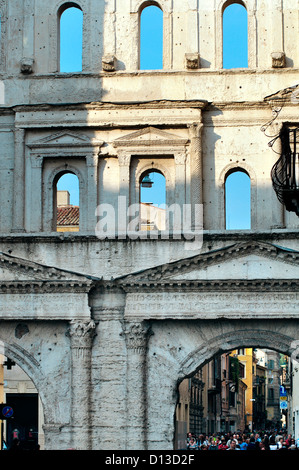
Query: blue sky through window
column 69, row 182
column 71, row 28
column 235, row 54
column 157, row 194
column 151, row 38
column 237, row 201
column 235, row 37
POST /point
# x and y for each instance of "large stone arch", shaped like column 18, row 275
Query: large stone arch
column 42, row 351
column 194, row 312
column 239, row 336
column 178, row 349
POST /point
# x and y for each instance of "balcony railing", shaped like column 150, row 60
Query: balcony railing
column 285, row 172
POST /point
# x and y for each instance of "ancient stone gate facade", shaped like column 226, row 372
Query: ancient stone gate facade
column 107, row 325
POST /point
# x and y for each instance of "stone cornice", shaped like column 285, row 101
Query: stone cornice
column 232, row 285
column 208, row 235
column 201, row 261
column 32, row 271
column 42, row 287
column 165, row 104
column 284, row 96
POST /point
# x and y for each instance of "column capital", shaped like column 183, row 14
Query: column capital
column 124, row 158
column 92, row 159
column 81, row 333
column 136, row 335
column 19, row 133
column 196, row 129
column 180, row 158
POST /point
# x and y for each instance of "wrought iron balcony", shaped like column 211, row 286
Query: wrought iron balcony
column 285, row 172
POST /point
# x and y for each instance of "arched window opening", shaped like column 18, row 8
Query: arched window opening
column 151, row 38
column 238, row 201
column 152, row 201
column 70, row 39
column 235, row 37
column 66, row 203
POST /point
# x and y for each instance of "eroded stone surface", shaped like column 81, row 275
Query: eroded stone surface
column 106, row 328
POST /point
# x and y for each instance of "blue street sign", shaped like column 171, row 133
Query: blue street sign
column 7, row 412
column 282, row 391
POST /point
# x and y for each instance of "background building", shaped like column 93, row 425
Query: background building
column 239, row 390
column 103, row 317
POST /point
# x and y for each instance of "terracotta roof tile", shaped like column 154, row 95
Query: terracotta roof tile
column 68, row 215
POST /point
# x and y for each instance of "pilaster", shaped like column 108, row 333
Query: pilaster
column 19, row 181
column 137, row 336
column 81, row 334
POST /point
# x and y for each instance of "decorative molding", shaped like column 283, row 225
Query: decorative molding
column 285, row 95
column 44, row 287
column 232, row 285
column 158, row 304
column 137, row 335
column 26, row 65
column 81, row 334
column 164, row 272
column 192, row 61
column 150, row 137
column 278, row 59
column 109, row 63
column 124, row 159
column 232, row 339
column 34, row 274
column 65, row 139
column 180, row 158
column 21, row 356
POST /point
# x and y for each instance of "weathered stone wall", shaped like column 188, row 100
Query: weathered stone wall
column 112, row 28
column 177, row 350
column 106, row 351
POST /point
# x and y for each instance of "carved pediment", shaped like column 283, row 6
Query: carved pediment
column 238, row 262
column 21, row 270
column 148, row 137
column 65, row 138
column 289, row 95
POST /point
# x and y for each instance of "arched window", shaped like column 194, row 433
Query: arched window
column 235, row 36
column 151, row 38
column 70, row 38
column 237, row 201
column 152, row 201
column 66, row 203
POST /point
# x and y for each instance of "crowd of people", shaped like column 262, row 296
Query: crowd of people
column 272, row 440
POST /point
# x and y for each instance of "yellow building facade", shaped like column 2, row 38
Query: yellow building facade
column 247, row 358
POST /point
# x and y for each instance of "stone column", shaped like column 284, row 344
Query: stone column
column 124, row 160
column 19, row 182
column 277, row 23
column 167, row 40
column 81, row 334
column 36, row 196
column 278, row 209
column 180, row 192
column 252, row 39
column 196, row 190
column 136, row 335
column 92, row 192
